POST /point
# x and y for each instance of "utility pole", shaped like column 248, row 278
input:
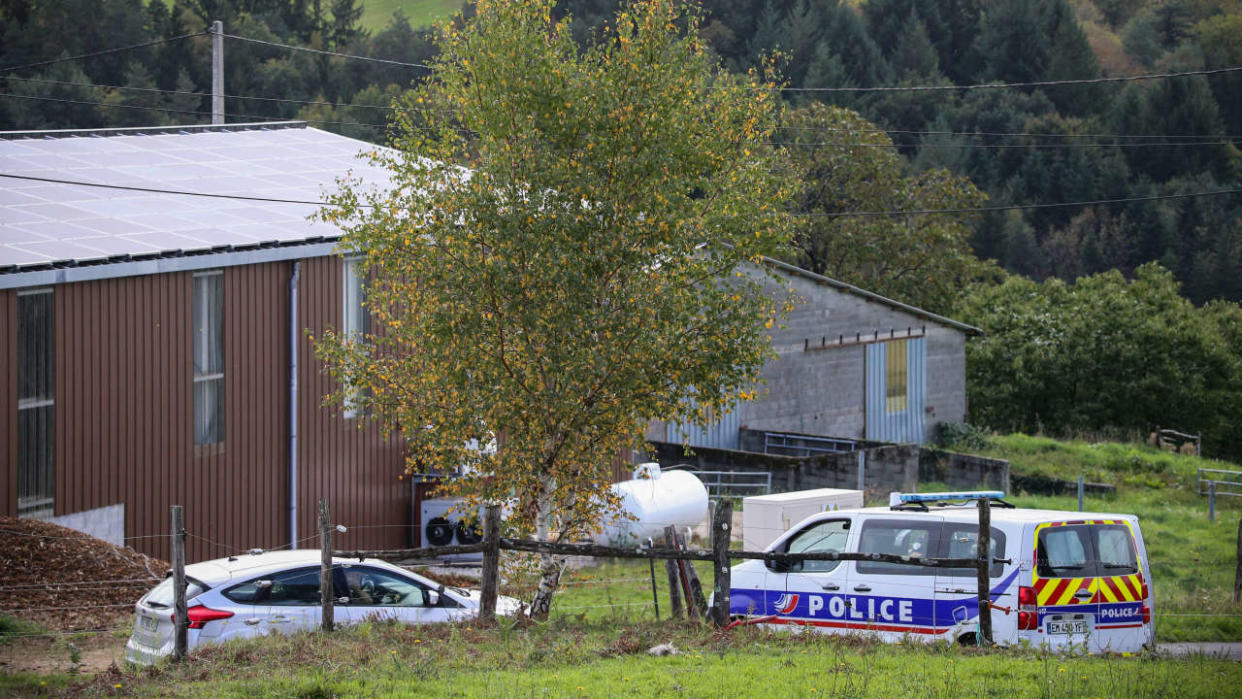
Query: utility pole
column 217, row 72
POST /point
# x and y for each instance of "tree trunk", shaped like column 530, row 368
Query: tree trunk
column 550, row 566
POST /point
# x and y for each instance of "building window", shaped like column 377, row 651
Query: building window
column 356, row 322
column 209, row 357
column 895, row 376
column 36, row 392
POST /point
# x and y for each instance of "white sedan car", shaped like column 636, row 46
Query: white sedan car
column 256, row 594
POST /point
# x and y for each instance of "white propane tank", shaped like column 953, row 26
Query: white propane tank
column 655, row 499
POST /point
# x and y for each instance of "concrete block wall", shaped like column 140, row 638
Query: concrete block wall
column 964, row 470
column 821, row 391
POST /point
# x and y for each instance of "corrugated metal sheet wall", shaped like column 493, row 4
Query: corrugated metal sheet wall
column 8, row 409
column 721, row 434
column 124, row 384
column 124, row 415
column 122, row 380
column 355, row 468
column 907, row 425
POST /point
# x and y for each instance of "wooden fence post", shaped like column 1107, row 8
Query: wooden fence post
column 181, row 619
column 325, row 566
column 655, row 592
column 491, row 565
column 722, row 528
column 696, row 603
column 984, row 541
column 674, row 590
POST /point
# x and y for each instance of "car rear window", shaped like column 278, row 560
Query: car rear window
column 1117, row 554
column 1085, row 551
column 1062, row 552
column 161, row 596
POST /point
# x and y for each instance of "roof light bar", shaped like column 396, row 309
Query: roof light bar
column 896, row 499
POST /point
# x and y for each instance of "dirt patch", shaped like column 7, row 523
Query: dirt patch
column 88, row 653
column 64, row 580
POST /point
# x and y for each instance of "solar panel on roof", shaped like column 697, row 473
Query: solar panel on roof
column 282, row 163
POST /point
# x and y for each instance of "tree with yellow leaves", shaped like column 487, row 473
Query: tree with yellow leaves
column 555, row 264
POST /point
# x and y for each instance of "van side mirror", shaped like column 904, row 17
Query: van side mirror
column 778, row 566
column 433, row 598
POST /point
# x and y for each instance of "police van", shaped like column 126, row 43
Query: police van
column 1060, row 580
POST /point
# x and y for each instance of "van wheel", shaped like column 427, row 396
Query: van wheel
column 967, row 639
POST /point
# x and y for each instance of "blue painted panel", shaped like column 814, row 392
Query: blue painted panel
column 722, row 434
column 905, row 425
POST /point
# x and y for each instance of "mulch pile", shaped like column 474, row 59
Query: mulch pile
column 64, row 580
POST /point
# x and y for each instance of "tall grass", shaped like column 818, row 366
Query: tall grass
column 600, row 658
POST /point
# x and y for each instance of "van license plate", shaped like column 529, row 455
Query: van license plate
column 1068, row 627
column 149, row 623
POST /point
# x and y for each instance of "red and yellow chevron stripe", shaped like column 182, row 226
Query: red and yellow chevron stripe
column 1058, row 591
column 1121, row 588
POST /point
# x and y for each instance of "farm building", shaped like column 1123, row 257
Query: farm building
column 851, row 365
column 158, row 288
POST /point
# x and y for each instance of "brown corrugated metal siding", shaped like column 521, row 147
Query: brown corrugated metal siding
column 124, row 415
column 8, row 410
column 347, row 460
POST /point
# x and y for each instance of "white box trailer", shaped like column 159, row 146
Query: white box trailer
column 766, row 517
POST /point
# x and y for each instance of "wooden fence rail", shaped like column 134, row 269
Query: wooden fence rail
column 720, row 555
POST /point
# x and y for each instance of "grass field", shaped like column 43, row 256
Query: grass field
column 377, row 13
column 601, row 657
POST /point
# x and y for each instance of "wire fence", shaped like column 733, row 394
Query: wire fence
column 615, row 592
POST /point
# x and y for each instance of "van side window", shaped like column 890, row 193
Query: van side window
column 900, row 538
column 1117, row 555
column 1062, row 552
column 960, row 541
column 823, row 537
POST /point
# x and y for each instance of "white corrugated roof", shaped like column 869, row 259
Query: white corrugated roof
column 48, row 223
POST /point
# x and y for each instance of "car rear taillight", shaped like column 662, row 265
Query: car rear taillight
column 200, row 615
column 1028, row 615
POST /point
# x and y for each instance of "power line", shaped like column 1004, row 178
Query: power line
column 154, row 190
column 261, row 117
column 327, row 53
column 835, row 214
column 826, row 129
column 173, row 110
column 104, row 52
column 1019, row 207
column 318, row 103
column 1000, row 134
column 1003, row 146
column 997, row 86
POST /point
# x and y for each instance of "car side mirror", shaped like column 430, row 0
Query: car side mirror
column 778, row 566
column 263, row 584
column 433, row 598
